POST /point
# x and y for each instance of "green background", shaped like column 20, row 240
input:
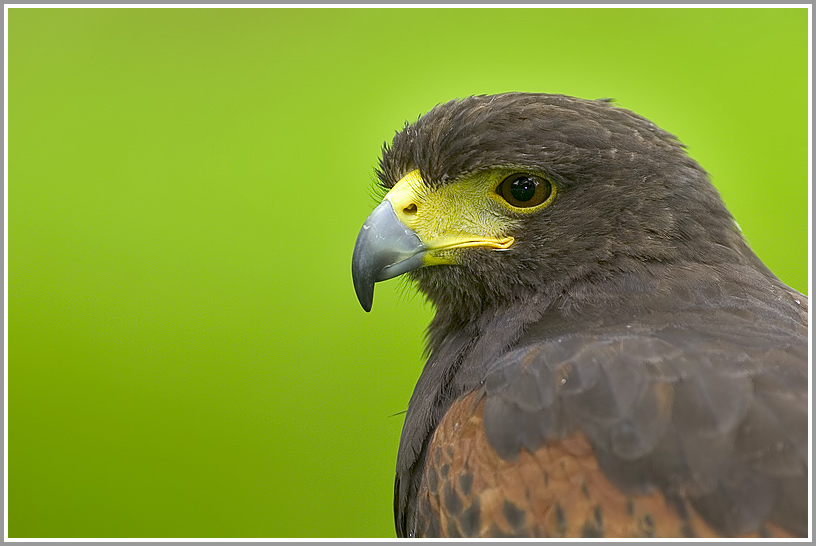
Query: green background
column 186, row 354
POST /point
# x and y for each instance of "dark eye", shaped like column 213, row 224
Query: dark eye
column 524, row 190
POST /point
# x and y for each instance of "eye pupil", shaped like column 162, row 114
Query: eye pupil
column 523, row 188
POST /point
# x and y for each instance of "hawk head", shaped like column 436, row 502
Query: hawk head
column 517, row 197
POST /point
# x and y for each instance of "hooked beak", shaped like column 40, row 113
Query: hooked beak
column 385, row 248
column 414, row 227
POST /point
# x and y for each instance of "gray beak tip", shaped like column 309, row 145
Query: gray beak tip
column 367, row 304
column 365, row 292
column 362, row 274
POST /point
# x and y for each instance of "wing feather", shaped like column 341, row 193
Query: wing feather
column 707, row 434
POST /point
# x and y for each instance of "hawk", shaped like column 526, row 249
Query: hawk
column 608, row 357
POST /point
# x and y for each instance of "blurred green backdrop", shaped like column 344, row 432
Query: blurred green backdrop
column 186, row 354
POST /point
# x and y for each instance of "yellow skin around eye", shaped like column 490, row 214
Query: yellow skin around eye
column 464, row 213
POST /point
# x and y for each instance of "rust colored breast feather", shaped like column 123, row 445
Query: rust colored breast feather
column 557, row 491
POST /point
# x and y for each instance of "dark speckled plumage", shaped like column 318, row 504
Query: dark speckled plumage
column 630, row 312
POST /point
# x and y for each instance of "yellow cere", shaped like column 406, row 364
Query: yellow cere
column 456, row 215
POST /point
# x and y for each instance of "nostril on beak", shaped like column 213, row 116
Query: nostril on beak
column 410, row 209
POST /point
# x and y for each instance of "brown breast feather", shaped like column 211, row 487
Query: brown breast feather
column 556, row 491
